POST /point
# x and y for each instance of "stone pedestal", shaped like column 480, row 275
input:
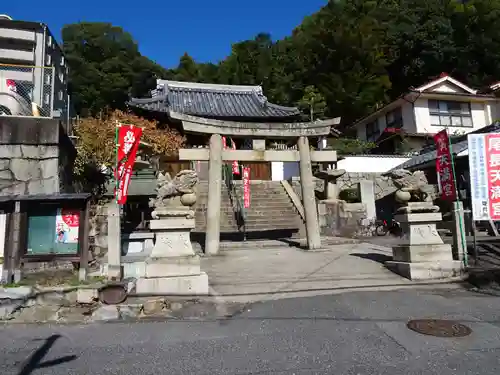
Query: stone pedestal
column 173, row 268
column 422, row 255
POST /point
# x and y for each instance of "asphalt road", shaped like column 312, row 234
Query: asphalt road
column 352, row 333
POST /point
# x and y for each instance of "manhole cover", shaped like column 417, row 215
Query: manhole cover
column 112, row 294
column 439, row 328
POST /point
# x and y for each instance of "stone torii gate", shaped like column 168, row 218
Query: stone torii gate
column 258, row 132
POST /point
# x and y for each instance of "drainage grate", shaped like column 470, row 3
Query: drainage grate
column 112, row 294
column 439, row 328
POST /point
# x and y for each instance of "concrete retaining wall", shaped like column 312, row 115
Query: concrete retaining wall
column 36, row 157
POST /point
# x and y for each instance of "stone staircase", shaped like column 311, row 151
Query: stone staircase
column 271, row 215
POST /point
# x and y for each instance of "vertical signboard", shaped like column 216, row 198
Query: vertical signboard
column 444, row 167
column 484, row 166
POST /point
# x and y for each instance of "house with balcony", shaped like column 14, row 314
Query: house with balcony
column 408, row 123
column 31, row 58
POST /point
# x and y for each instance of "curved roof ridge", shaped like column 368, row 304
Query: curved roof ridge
column 208, row 86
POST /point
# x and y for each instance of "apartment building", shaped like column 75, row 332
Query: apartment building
column 31, row 57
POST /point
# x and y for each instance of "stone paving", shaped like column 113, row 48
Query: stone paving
column 255, row 274
column 238, row 276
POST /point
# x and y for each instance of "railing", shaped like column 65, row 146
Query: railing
column 26, row 90
column 236, row 201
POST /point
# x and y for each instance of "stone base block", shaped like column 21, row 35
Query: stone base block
column 175, row 266
column 422, row 253
column 134, row 270
column 427, row 270
column 172, row 243
column 194, row 285
column 115, row 272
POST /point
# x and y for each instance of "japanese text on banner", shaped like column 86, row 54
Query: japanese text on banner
column 236, row 168
column 444, row 167
column 493, row 165
column 478, row 176
column 246, row 187
column 128, row 144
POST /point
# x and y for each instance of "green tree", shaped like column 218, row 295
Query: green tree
column 105, row 67
column 249, row 62
column 187, row 70
column 312, row 103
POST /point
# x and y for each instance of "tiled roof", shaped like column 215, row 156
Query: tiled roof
column 210, row 100
column 458, row 145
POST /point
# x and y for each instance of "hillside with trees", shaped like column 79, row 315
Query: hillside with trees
column 349, row 58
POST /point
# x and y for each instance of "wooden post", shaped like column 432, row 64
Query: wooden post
column 84, row 241
column 15, row 242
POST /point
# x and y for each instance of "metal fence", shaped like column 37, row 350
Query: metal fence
column 26, row 90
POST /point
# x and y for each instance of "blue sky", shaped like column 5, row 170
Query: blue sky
column 166, row 29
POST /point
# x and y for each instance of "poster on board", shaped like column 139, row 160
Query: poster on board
column 67, row 225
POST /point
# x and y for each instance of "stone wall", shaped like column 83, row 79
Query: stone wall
column 36, row 157
column 26, row 169
column 383, row 185
column 98, row 235
column 344, row 219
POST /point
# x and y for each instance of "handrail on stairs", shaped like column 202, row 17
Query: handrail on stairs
column 236, row 201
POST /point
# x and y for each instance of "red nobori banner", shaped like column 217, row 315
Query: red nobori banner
column 246, row 187
column 236, row 168
column 493, row 168
column 128, row 144
column 444, row 168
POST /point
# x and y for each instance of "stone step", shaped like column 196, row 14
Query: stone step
column 271, row 205
column 256, row 211
column 271, row 209
column 254, row 227
column 256, row 216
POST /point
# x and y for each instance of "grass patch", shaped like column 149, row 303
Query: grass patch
column 57, row 278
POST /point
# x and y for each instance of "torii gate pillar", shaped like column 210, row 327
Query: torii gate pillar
column 216, row 156
column 212, row 238
column 308, row 197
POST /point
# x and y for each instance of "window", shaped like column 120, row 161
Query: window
column 372, row 131
column 48, row 79
column 61, row 77
column 447, row 113
column 48, row 59
column 62, row 60
column 49, row 41
column 46, row 99
column 60, row 95
column 394, row 119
